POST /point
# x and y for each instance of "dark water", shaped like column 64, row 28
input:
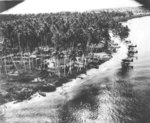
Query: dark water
column 123, row 97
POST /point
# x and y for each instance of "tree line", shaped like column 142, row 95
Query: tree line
column 60, row 30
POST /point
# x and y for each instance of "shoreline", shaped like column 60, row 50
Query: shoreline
column 44, row 106
column 38, row 83
column 50, row 84
column 63, row 93
column 132, row 17
column 54, row 83
column 56, row 89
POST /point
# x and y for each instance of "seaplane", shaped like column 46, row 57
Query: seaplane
column 127, row 60
column 131, row 53
column 130, row 47
column 128, row 42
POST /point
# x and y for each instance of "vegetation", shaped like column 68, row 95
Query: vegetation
column 60, row 31
column 62, row 34
column 64, row 37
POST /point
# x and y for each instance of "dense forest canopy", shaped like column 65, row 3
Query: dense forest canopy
column 60, row 30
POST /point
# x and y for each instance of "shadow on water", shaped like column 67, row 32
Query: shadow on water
column 116, row 103
column 85, row 101
column 124, row 72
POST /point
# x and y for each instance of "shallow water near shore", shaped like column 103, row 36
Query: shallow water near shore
column 104, row 95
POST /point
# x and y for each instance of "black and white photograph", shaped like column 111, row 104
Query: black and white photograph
column 74, row 61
